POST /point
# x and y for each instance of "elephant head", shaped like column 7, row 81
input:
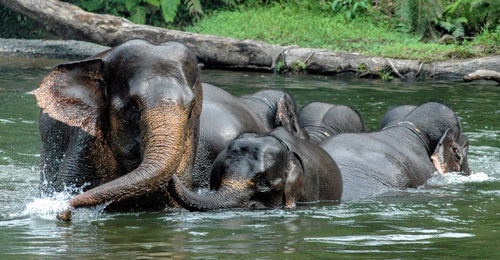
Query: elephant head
column 448, row 147
column 129, row 119
column 450, row 155
column 260, row 171
column 252, row 172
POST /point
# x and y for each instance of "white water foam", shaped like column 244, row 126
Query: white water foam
column 440, row 180
column 46, row 208
column 49, row 206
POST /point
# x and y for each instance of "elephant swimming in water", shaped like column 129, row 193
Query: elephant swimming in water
column 262, row 171
column 224, row 117
column 322, row 120
column 397, row 157
column 446, row 151
column 120, row 124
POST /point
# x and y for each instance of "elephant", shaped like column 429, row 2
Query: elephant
column 395, row 113
column 224, row 117
column 120, row 124
column 397, row 157
column 441, row 154
column 322, row 120
column 265, row 171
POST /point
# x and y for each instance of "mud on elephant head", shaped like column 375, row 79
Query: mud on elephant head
column 262, row 171
column 120, row 124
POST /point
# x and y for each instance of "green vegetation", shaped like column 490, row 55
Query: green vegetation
column 164, row 13
column 15, row 25
column 411, row 29
column 368, row 34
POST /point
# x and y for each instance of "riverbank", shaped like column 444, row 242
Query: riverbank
column 292, row 59
column 218, row 52
column 366, row 35
column 51, row 49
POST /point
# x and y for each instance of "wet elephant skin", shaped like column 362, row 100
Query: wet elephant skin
column 262, row 171
column 322, row 120
column 120, row 124
column 396, row 157
column 224, row 117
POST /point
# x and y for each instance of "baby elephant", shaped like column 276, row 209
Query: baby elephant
column 322, row 120
column 261, row 171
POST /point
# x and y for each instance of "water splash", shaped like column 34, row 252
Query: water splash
column 47, row 207
column 440, row 180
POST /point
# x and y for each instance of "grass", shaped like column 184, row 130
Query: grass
column 288, row 25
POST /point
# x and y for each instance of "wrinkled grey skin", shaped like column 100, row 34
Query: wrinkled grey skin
column 396, row 157
column 263, row 171
column 322, row 120
column 395, row 114
column 120, row 124
column 224, row 117
column 444, row 152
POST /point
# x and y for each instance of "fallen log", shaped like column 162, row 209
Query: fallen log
column 483, row 74
column 71, row 22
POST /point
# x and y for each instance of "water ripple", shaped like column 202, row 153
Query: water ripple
column 390, row 239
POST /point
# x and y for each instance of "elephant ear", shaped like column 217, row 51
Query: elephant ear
column 215, row 172
column 447, row 156
column 74, row 94
column 294, row 181
column 286, row 116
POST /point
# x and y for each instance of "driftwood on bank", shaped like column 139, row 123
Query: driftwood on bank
column 71, row 22
column 483, row 74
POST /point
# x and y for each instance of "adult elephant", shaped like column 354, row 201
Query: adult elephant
column 396, row 157
column 445, row 150
column 120, row 125
column 225, row 117
column 322, row 120
column 260, row 171
column 395, row 114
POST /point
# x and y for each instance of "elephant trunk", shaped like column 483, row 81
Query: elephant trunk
column 168, row 149
column 227, row 196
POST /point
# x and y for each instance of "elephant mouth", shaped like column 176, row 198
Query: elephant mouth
column 443, row 167
column 437, row 164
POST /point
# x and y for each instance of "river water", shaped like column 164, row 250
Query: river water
column 449, row 217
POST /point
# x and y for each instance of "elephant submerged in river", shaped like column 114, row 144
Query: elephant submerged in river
column 322, row 120
column 398, row 156
column 224, row 117
column 261, row 171
column 119, row 124
column 446, row 150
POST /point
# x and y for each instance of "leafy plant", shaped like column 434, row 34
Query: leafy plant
column 154, row 12
column 469, row 17
column 419, row 16
column 351, row 8
column 15, row 25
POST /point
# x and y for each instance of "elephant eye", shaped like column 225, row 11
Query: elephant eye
column 131, row 112
column 262, row 184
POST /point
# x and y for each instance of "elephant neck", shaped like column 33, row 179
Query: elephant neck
column 421, row 135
